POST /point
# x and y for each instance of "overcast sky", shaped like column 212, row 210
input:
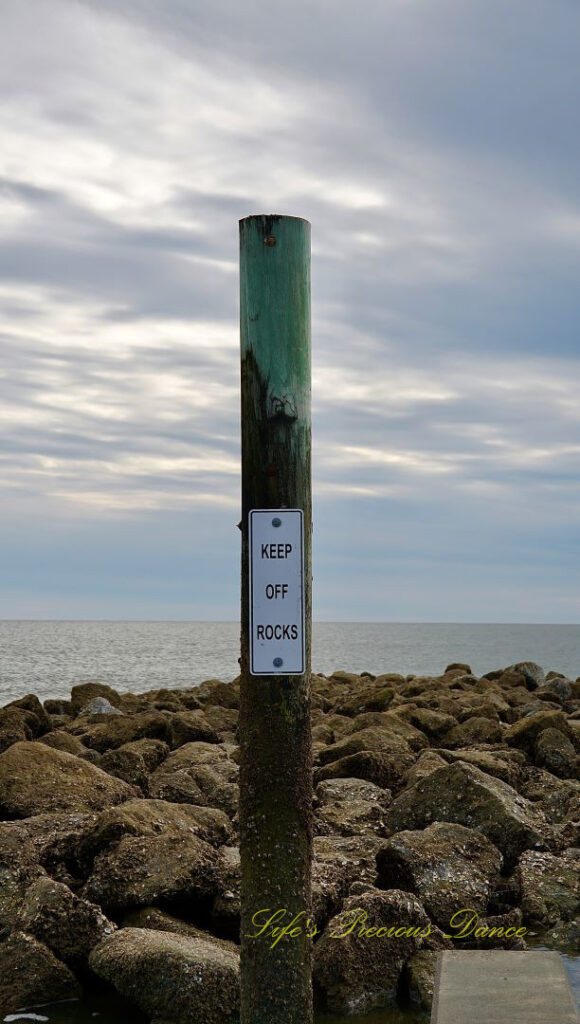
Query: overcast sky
column 435, row 150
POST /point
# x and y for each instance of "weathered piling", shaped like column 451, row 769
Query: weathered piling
column 274, row 725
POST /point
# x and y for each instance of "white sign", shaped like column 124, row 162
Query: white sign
column 276, row 539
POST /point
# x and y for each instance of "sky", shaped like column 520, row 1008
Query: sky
column 435, row 149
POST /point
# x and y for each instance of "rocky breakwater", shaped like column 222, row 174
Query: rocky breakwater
column 446, row 814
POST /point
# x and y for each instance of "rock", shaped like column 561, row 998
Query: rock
column 127, row 764
column 358, row 972
column 463, row 794
column 525, row 732
column 223, row 720
column 420, row 976
column 550, row 886
column 366, row 698
column 189, row 726
column 556, row 688
column 122, row 729
column 145, row 818
column 153, row 752
column 69, row 926
column 58, row 708
column 172, row 977
column 489, row 761
column 432, row 723
column 30, row 975
column 474, row 730
column 447, row 866
column 565, row 937
column 56, row 841
column 31, row 704
column 392, row 723
column 351, row 807
column 226, row 907
column 213, row 691
column 198, row 773
column 58, row 739
column 18, row 868
column 85, row 692
column 339, row 862
column 554, row 751
column 427, row 763
column 149, row 869
column 99, row 706
column 532, row 673
column 14, row 728
column 384, row 768
column 157, row 920
column 467, row 930
column 458, row 666
column 368, row 739
column 35, row 779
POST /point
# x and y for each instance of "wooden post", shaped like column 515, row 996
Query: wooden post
column 274, row 725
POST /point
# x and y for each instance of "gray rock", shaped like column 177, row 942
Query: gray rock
column 31, row 975
column 154, row 818
column 99, row 706
column 69, row 926
column 466, row 795
column 178, row 978
column 447, row 866
column 35, row 779
column 554, row 751
column 550, row 886
column 359, row 957
column 141, row 870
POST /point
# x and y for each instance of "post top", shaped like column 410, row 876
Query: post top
column 272, row 218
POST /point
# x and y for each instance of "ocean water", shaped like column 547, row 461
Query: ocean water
column 48, row 657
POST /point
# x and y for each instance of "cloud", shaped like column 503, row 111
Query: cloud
column 433, row 156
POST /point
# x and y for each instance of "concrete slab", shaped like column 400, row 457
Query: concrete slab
column 497, row 986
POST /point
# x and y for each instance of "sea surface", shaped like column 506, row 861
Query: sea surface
column 49, row 657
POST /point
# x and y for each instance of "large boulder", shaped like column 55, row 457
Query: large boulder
column 447, row 866
column 554, row 751
column 550, row 886
column 82, row 694
column 340, row 862
column 373, row 738
column 492, row 762
column 150, row 869
column 191, row 726
column 171, row 977
column 390, row 722
column 524, row 733
column 159, row 921
column 154, row 818
column 36, row 779
column 117, row 730
column 31, row 975
column 432, row 723
column 420, row 976
column 351, row 807
column 475, row 730
column 462, row 793
column 69, row 926
column 198, row 773
column 359, row 957
column 382, row 767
